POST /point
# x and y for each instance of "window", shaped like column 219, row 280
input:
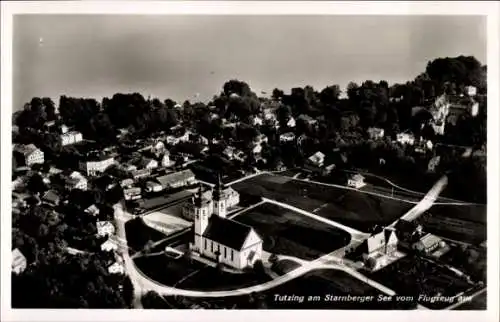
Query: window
column 225, row 252
column 232, row 254
column 206, row 246
column 212, row 247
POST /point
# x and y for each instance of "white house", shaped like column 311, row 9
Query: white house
column 76, row 181
column 127, row 183
column 261, row 138
column 19, row 262
column 132, row 193
column 257, row 149
column 29, row 154
column 287, row 137
column 149, row 163
column 378, row 246
column 356, row 181
column 255, row 121
column 177, row 179
column 471, row 90
column 92, row 210
column 116, row 268
column 165, row 161
column 375, row 133
column 105, row 228
column 95, row 166
column 317, row 159
column 64, row 129
column 405, row 138
column 291, row 122
column 70, row 137
column 153, row 186
column 109, row 246
column 224, row 240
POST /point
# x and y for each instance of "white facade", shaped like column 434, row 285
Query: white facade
column 116, row 268
column 109, row 246
column 165, row 161
column 287, row 137
column 71, row 138
column 356, row 181
column 32, row 155
column 256, row 121
column 291, row 122
column 105, row 228
column 92, row 168
column 151, row 164
column 405, row 138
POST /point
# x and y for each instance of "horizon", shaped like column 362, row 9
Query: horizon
column 96, row 56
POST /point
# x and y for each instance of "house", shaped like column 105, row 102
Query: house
column 70, row 137
column 177, row 179
column 375, row 133
column 291, row 122
column 377, row 247
column 19, row 262
column 287, row 137
column 255, row 121
column 92, row 210
column 228, row 196
column 428, row 243
column 96, row 164
column 109, row 246
column 228, row 152
column 116, row 268
column 51, row 198
column 256, row 149
column 317, row 159
column 307, row 119
column 153, row 186
column 147, row 163
column 28, row 154
column 105, row 228
column 140, row 174
column 76, row 181
column 433, row 163
column 64, row 129
column 423, row 146
column 405, row 138
column 356, row 181
column 127, row 183
column 132, row 193
column 471, row 90
column 223, row 240
column 158, row 148
column 165, row 161
column 261, row 138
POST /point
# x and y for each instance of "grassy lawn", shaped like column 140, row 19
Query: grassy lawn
column 138, row 234
column 166, row 270
column 289, row 233
column 352, row 208
column 211, row 279
column 415, row 276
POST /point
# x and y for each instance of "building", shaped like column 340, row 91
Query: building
column 307, row 119
column 375, row 133
column 28, row 154
column 132, row 193
column 376, row 248
column 19, row 262
column 405, row 138
column 224, row 240
column 105, row 228
column 287, row 137
column 229, row 152
column 255, row 121
column 70, row 137
column 291, row 122
column 177, row 179
column 109, row 246
column 356, row 181
column 76, row 181
column 116, row 268
column 153, row 186
column 141, row 174
column 165, row 161
column 317, row 159
column 96, row 165
column 92, row 210
column 471, row 90
column 51, row 198
column 256, row 148
column 147, row 163
column 127, row 183
column 428, row 243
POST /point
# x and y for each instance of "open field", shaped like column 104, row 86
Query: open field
column 166, row 220
column 289, row 233
column 414, row 276
column 348, row 207
column 317, row 283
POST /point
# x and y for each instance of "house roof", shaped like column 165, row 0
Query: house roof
column 429, row 240
column 317, row 157
column 175, row 177
column 17, row 256
column 357, row 177
column 227, row 232
column 51, row 196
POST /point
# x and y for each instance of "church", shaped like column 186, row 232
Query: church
column 219, row 238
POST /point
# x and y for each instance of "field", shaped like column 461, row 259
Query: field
column 352, row 208
column 414, row 276
column 166, row 221
column 138, row 234
column 288, row 233
column 317, row 283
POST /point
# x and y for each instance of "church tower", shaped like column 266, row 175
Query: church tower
column 202, row 210
column 220, row 199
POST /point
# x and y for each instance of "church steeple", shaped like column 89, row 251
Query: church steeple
column 198, row 198
column 220, row 198
column 219, row 188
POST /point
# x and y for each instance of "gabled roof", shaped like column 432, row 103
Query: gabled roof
column 227, row 232
column 429, row 240
column 17, row 256
column 175, row 177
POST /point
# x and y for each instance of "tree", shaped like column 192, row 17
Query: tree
column 36, row 184
column 330, row 95
column 277, row 94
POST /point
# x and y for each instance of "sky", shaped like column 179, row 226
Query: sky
column 190, row 57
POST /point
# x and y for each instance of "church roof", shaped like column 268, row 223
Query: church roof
column 227, row 232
